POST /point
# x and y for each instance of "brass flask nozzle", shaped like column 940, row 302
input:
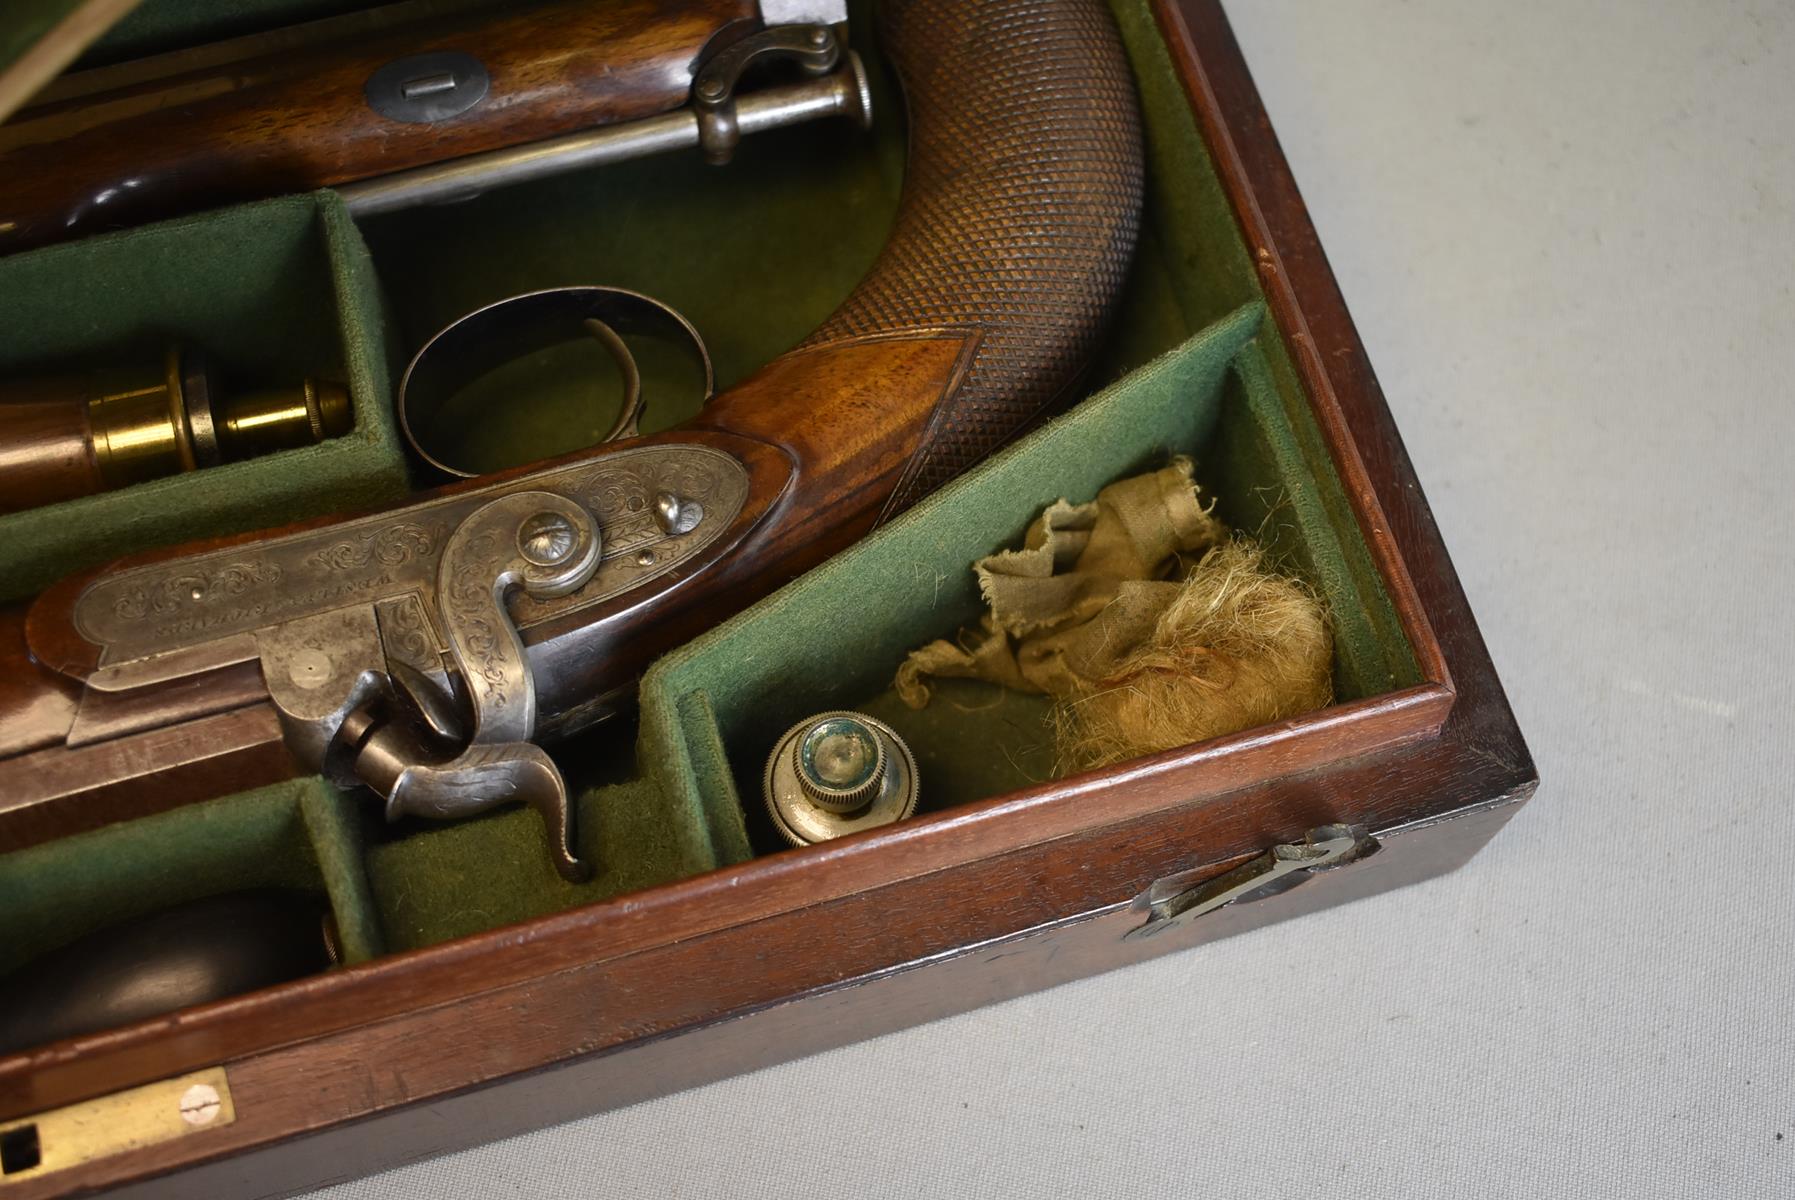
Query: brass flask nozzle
column 75, row 435
column 281, row 418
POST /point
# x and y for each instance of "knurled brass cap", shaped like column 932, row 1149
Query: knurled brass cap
column 836, row 773
column 839, row 762
column 335, row 417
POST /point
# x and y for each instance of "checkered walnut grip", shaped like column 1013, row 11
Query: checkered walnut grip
column 1021, row 207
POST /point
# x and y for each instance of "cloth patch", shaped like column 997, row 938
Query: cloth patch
column 1149, row 623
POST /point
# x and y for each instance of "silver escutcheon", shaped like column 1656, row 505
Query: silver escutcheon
column 424, row 89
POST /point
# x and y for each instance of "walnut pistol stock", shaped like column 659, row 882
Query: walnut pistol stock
column 426, row 650
column 420, row 107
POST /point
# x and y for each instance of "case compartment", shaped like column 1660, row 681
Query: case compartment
column 272, row 292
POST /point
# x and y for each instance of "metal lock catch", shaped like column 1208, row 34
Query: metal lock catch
column 46, row 1142
column 1281, row 867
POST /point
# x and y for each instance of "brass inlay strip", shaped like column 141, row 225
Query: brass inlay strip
column 35, row 1146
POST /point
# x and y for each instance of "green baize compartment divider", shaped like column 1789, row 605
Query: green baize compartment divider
column 272, row 293
column 300, row 834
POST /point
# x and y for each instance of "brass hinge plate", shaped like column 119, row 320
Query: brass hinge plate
column 38, row 1145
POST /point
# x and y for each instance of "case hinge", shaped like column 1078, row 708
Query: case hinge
column 1278, row 869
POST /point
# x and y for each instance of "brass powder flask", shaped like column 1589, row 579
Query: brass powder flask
column 72, row 435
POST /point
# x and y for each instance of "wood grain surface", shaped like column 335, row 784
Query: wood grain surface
column 291, row 122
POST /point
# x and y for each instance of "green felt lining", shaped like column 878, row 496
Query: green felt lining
column 757, row 254
column 272, row 292
column 1210, row 269
column 299, row 834
column 1212, row 399
column 912, row 582
column 444, row 880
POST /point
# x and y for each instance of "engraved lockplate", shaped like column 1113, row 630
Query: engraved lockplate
column 212, row 597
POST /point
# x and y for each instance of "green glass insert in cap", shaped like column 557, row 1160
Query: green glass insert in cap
column 840, row 762
column 836, row 773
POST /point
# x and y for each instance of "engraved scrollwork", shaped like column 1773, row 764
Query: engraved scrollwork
column 487, row 558
column 636, row 550
column 412, row 638
column 133, row 605
column 150, row 609
column 616, row 493
column 467, row 602
column 620, row 492
column 195, row 588
column 691, row 479
column 623, row 497
column 390, row 546
column 407, row 632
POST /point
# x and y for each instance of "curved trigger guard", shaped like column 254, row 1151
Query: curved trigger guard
column 507, row 330
column 546, row 545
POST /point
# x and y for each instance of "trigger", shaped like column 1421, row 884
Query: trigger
column 629, row 418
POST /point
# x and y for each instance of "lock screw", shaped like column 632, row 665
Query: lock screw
column 200, row 1104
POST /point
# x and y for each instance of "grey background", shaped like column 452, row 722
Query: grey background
column 1567, row 232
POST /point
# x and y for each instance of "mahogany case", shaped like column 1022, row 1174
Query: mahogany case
column 748, row 956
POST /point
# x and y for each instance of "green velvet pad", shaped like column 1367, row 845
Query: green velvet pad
column 435, row 882
column 291, row 835
column 756, row 254
column 272, row 292
column 912, row 581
